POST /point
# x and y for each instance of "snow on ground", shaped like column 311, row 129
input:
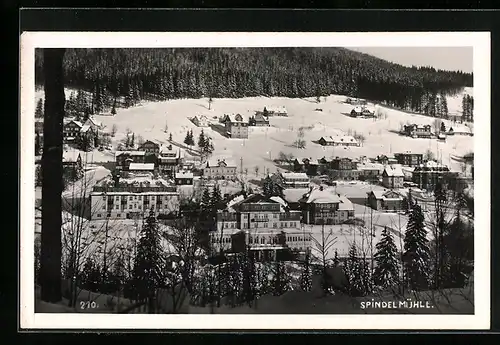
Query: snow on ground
column 83, row 187
column 88, row 158
column 264, row 144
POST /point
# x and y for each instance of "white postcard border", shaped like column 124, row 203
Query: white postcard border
column 480, row 41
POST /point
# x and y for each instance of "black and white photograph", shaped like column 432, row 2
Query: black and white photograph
column 324, row 183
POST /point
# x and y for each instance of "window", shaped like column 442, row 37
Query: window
column 129, row 207
column 265, row 225
column 275, row 225
column 256, row 225
column 286, row 224
column 103, row 207
column 98, row 215
column 130, row 198
column 119, row 215
column 104, row 197
column 262, row 240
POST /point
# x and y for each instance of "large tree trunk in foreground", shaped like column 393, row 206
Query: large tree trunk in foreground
column 52, row 173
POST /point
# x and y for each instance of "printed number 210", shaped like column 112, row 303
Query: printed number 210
column 88, row 305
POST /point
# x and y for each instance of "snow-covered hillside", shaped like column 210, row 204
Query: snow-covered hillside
column 264, row 144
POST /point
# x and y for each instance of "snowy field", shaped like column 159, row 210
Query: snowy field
column 264, row 144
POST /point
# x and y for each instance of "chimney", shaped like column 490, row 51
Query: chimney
column 170, row 147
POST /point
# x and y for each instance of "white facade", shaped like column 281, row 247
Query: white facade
column 123, row 205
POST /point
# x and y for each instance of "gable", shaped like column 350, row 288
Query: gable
column 391, row 194
column 238, row 117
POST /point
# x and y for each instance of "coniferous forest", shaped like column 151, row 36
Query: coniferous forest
column 130, row 74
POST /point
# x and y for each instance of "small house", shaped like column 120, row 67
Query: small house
column 149, row 147
column 184, row 179
column 200, row 121
column 392, row 177
column 71, row 130
column 259, row 120
column 384, row 200
column 344, row 140
column 236, row 126
column 417, row 131
column 275, row 111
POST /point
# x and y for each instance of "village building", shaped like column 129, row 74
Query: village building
column 219, row 169
column 291, row 180
column 141, row 168
column 387, row 200
column 311, row 167
column 263, row 246
column 71, row 130
column 133, row 201
column 259, row 120
column 324, row 206
column 427, row 175
column 201, row 121
column 392, row 177
column 267, row 225
column 418, row 131
column 370, row 171
column 235, row 126
column 386, row 160
column 150, row 147
column 343, row 169
column 338, row 140
column 124, row 158
column 362, row 111
column 184, row 178
column 275, row 111
column 169, row 160
column 409, row 159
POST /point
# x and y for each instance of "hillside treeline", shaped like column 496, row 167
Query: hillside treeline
column 162, row 74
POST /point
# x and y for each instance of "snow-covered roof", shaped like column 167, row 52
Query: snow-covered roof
column 279, row 200
column 92, row 121
column 214, row 162
column 341, row 139
column 184, row 175
column 323, row 196
column 78, row 123
column 357, row 109
column 345, row 204
column 394, row 171
column 432, row 164
column 385, row 195
column 294, row 175
column 235, row 118
column 276, row 109
column 294, row 194
column 130, row 153
column 85, row 128
column 141, row 166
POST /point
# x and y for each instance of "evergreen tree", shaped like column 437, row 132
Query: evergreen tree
column 443, row 128
column 149, row 261
column 170, row 137
column 206, row 199
column 79, row 167
column 386, row 272
column 306, row 274
column 281, row 279
column 191, row 138
column 113, row 109
column 90, row 276
column 187, row 139
column 216, row 199
column 210, row 101
column 267, row 187
column 416, row 255
column 336, row 260
column 132, row 141
column 201, row 140
column 208, row 146
column 70, row 105
column 444, row 105
column 39, row 109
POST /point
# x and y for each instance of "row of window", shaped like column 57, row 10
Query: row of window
column 275, row 225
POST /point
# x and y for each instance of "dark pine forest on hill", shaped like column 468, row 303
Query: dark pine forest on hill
column 161, row 74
